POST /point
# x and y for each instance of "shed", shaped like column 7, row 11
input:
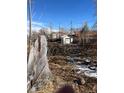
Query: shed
column 66, row 39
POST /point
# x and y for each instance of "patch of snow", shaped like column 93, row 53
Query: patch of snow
column 91, row 73
column 87, row 71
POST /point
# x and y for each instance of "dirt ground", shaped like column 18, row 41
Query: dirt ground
column 64, row 74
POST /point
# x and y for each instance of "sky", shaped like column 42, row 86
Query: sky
column 53, row 13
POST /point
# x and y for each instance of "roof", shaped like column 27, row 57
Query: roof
column 65, row 36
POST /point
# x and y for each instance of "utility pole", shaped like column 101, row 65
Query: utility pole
column 50, row 26
column 59, row 30
column 71, row 28
column 30, row 21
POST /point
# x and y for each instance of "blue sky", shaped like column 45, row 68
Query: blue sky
column 55, row 12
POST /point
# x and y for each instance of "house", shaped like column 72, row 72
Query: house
column 57, row 35
column 54, row 35
column 62, row 33
column 66, row 39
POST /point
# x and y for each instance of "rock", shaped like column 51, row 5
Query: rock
column 79, row 81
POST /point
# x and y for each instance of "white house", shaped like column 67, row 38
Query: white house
column 66, row 39
column 54, row 36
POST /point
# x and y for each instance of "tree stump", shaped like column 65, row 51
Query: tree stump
column 38, row 69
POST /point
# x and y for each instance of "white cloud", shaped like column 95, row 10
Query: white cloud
column 55, row 30
column 34, row 28
column 35, row 25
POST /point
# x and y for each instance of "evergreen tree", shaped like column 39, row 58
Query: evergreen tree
column 85, row 27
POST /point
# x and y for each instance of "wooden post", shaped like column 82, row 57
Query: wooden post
column 30, row 21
